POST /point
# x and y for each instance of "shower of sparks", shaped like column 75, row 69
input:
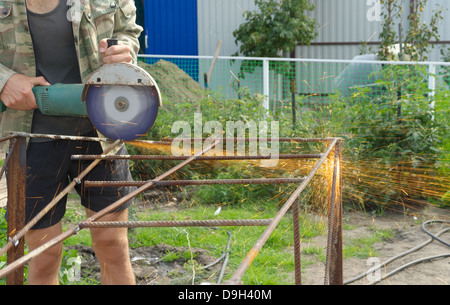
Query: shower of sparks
column 366, row 181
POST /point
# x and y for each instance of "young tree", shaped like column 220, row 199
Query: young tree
column 391, row 15
column 278, row 27
column 420, row 33
column 415, row 41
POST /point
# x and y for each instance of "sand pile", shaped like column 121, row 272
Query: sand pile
column 175, row 84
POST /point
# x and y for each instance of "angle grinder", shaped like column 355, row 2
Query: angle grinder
column 121, row 100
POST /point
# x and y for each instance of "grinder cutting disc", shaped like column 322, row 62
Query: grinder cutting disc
column 122, row 101
column 122, row 112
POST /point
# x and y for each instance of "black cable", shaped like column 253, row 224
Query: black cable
column 433, row 237
column 224, row 256
column 225, row 262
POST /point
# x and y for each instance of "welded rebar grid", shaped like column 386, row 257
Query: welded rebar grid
column 16, row 222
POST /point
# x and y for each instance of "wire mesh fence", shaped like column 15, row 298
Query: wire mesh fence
column 394, row 116
column 307, row 84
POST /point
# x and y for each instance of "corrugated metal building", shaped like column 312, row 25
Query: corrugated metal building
column 346, row 25
column 194, row 27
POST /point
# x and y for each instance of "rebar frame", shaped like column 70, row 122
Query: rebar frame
column 16, row 163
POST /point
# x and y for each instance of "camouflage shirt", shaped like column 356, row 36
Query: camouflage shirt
column 92, row 21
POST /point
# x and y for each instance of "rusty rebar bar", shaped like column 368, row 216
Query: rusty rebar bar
column 202, row 158
column 12, row 145
column 26, row 258
column 61, row 137
column 177, row 223
column 300, row 140
column 48, row 207
column 16, row 202
column 246, row 262
column 88, row 184
column 147, row 186
column 270, row 223
column 36, row 252
column 331, row 218
column 9, row 137
column 74, row 138
column 297, row 245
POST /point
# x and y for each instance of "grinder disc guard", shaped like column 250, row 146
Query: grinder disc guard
column 121, row 111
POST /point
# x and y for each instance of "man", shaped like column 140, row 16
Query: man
column 43, row 42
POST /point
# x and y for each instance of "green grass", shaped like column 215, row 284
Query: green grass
column 363, row 247
column 272, row 265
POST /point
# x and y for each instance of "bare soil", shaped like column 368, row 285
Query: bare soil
column 408, row 233
column 151, row 269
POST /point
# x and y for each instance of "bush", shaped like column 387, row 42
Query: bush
column 394, row 142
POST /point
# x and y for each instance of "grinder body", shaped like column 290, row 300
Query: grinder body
column 121, row 100
column 59, row 100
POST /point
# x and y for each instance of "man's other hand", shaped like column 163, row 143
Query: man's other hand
column 120, row 53
column 17, row 92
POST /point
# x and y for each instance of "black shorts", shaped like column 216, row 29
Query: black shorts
column 50, row 169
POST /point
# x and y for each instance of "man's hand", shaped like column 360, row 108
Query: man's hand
column 120, row 53
column 17, row 92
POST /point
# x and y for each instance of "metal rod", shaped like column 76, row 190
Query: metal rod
column 12, row 145
column 337, row 272
column 334, row 264
column 331, row 217
column 88, row 184
column 73, row 138
column 12, row 136
column 24, row 259
column 178, row 223
column 55, row 200
column 297, row 245
column 16, row 205
column 300, row 140
column 36, row 252
column 201, row 158
column 236, row 277
column 147, row 185
column 61, row 137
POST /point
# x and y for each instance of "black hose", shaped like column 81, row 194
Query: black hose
column 224, row 256
column 433, row 237
column 225, row 262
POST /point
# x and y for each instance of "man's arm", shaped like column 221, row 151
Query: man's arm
column 127, row 32
column 16, row 89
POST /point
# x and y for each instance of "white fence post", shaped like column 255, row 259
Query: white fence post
column 266, row 81
column 431, row 86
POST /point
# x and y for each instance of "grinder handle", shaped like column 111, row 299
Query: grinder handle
column 113, row 42
column 3, row 107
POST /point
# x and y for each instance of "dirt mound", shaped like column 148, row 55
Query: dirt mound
column 175, row 84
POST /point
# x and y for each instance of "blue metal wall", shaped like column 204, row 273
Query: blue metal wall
column 171, row 29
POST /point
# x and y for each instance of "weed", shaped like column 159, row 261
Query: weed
column 363, row 247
